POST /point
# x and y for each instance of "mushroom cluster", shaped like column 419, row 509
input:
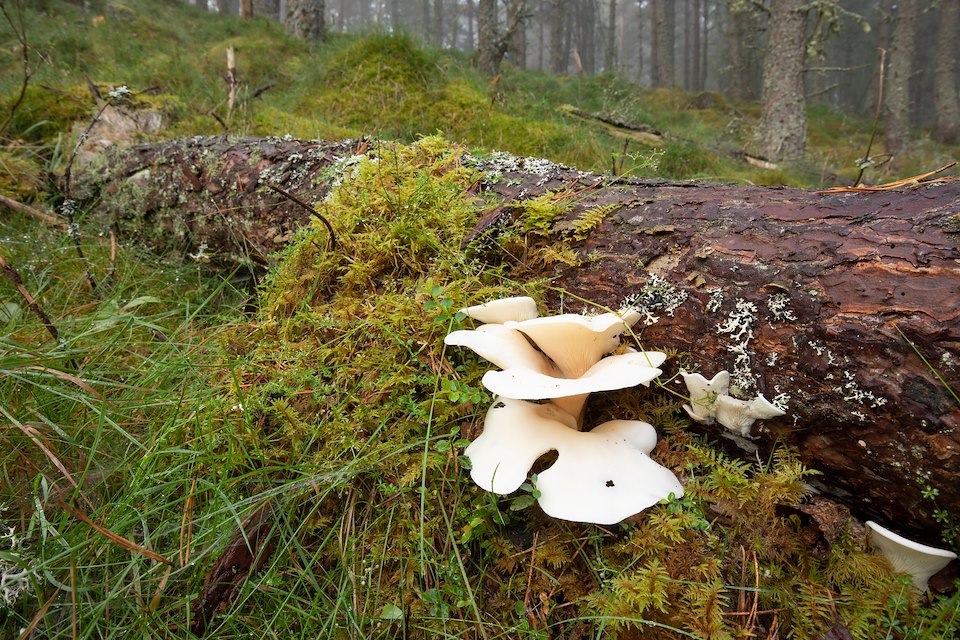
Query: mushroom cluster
column 710, row 402
column 548, row 368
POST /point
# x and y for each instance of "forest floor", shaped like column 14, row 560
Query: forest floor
column 164, row 406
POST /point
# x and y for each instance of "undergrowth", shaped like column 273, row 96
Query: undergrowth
column 336, row 410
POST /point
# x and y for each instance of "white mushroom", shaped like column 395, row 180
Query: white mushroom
column 704, row 394
column 574, row 342
column 611, row 373
column 503, row 310
column 739, row 415
column 601, row 476
column 906, row 556
column 507, row 348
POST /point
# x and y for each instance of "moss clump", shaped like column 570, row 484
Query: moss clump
column 44, row 114
column 683, row 162
column 19, row 178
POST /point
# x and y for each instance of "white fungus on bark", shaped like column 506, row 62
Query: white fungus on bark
column 920, row 561
column 710, row 402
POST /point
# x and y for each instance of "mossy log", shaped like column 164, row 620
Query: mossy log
column 843, row 306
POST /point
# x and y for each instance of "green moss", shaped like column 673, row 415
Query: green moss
column 44, row 113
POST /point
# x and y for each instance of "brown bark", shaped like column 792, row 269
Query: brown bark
column 826, row 288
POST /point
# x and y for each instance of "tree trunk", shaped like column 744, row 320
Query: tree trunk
column 946, row 102
column 807, row 298
column 783, row 123
column 488, row 58
column 246, row 8
column 223, row 7
column 305, row 19
column 695, row 84
column 664, row 33
column 518, row 43
column 896, row 95
column 267, row 8
column 558, row 63
column 610, row 52
column 586, row 27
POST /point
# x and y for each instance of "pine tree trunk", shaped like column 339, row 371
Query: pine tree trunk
column 783, row 123
column 267, row 8
column 488, row 58
column 896, row 95
column 558, row 60
column 305, row 19
column 946, row 101
column 610, row 52
column 805, row 297
column 695, row 84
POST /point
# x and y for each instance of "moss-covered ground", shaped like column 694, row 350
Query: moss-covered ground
column 178, row 403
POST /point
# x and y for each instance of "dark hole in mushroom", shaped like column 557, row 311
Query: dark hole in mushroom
column 498, row 405
column 545, row 461
column 610, row 483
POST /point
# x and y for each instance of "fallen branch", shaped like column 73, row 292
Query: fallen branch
column 112, row 537
column 911, row 183
column 19, row 207
column 14, row 277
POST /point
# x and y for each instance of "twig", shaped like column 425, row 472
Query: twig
column 19, row 207
column 231, row 81
column 913, row 181
column 112, row 537
column 876, row 118
column 21, row 35
column 260, row 90
column 304, row 205
column 14, row 277
column 213, row 114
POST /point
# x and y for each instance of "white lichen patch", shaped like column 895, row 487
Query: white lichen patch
column 853, row 393
column 779, row 307
column 657, row 296
column 781, row 400
column 948, row 360
column 15, row 577
column 716, row 300
column 739, row 327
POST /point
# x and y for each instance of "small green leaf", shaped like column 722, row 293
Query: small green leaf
column 391, row 612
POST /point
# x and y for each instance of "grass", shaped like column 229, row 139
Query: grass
column 181, row 403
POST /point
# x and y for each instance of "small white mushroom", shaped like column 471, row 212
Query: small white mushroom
column 710, row 402
column 704, row 394
column 601, row 476
column 739, row 415
column 504, row 310
column 574, row 342
column 918, row 560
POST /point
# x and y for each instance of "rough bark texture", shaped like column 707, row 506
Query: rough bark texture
column 783, row 124
column 208, row 197
column 946, row 101
column 896, row 99
column 808, row 297
column 305, row 19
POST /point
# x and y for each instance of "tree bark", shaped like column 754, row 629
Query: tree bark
column 246, row 8
column 610, row 50
column 305, row 19
column 896, row 95
column 783, row 123
column 946, row 101
column 823, row 301
column 267, row 8
column 558, row 60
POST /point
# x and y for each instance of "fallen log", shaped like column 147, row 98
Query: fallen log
column 844, row 307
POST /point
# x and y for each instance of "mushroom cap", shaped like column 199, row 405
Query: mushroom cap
column 704, row 394
column 515, row 309
column 600, row 476
column 505, row 347
column 574, row 342
column 906, row 556
column 610, row 373
column 739, row 415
